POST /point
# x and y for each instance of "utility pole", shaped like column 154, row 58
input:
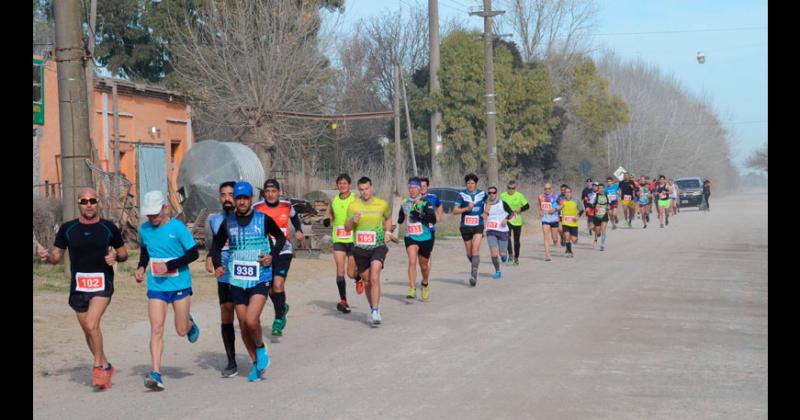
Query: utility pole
column 491, row 115
column 408, row 122
column 118, row 173
column 436, row 116
column 90, row 68
column 398, row 153
column 73, row 112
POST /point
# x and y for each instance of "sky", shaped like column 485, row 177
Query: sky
column 734, row 40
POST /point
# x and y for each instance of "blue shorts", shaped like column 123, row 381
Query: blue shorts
column 169, row 297
column 551, row 224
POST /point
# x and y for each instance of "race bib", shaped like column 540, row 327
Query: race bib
column 170, row 273
column 600, row 211
column 366, row 237
column 570, row 219
column 246, row 270
column 547, row 206
column 414, row 229
column 493, row 224
column 663, row 196
column 627, row 197
column 90, row 282
column 341, row 233
column 612, row 197
column 472, row 220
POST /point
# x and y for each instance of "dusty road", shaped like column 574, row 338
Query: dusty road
column 665, row 324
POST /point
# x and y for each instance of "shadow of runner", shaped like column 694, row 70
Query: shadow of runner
column 80, row 374
column 402, row 298
column 458, row 282
column 166, row 371
column 209, row 360
column 330, row 310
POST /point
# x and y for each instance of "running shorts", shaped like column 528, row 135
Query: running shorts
column 224, row 293
column 242, row 296
column 425, row 247
column 628, row 203
column 280, row 265
column 614, row 204
column 468, row 231
column 553, row 225
column 79, row 301
column 341, row 247
column 663, row 203
column 169, row 297
column 598, row 220
column 365, row 257
column 572, row 230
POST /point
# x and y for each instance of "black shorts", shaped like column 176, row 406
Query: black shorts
column 241, row 296
column 598, row 220
column 280, row 265
column 572, row 230
column 343, row 247
column 79, row 301
column 224, row 293
column 365, row 257
column 425, row 247
column 468, row 231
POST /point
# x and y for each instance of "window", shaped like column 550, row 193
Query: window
column 37, row 83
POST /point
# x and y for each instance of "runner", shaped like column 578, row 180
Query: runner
column 167, row 247
column 343, row 241
column 628, row 190
column 570, row 217
column 644, row 203
column 223, row 281
column 560, row 225
column 371, row 219
column 518, row 203
column 437, row 204
column 418, row 239
column 706, row 194
column 282, row 212
column 673, row 196
column 497, row 215
column 469, row 204
column 601, row 205
column 587, row 197
column 612, row 190
column 250, row 255
column 94, row 244
column 662, row 192
column 549, row 207
column 652, row 186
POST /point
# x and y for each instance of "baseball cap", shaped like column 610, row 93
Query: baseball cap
column 152, row 203
column 272, row 183
column 242, row 188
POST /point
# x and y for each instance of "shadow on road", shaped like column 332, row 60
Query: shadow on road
column 330, row 310
column 166, row 371
column 210, row 360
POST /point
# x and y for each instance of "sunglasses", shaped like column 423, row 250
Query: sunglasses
column 85, row 201
column 492, row 192
column 512, row 188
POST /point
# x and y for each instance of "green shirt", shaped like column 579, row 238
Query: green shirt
column 339, row 209
column 369, row 229
column 515, row 201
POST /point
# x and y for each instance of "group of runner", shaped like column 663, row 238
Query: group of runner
column 251, row 252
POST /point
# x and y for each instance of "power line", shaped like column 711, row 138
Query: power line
column 758, row 28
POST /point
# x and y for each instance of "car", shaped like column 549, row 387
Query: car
column 691, row 191
column 447, row 195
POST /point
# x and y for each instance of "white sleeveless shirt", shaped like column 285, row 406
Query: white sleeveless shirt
column 496, row 215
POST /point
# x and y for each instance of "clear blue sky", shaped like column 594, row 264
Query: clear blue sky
column 734, row 76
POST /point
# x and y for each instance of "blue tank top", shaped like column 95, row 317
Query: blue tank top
column 245, row 243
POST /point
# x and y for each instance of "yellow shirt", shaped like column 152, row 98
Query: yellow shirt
column 369, row 229
column 569, row 213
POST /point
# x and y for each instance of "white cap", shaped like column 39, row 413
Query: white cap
column 152, row 203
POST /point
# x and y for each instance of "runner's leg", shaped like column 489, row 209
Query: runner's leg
column 340, row 257
column 476, row 253
column 241, row 314
column 157, row 312
column 375, row 283
column 412, row 252
column 425, row 267
column 181, row 309
column 90, row 323
column 546, row 233
column 253, row 320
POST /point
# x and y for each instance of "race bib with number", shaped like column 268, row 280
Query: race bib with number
column 365, row 237
column 414, row 229
column 547, row 206
column 600, row 211
column 170, row 273
column 612, row 197
column 90, row 282
column 341, row 233
column 627, row 197
column 472, row 220
column 246, row 270
column 663, row 196
column 570, row 219
column 493, row 224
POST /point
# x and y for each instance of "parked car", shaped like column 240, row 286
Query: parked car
column 691, row 194
column 447, row 195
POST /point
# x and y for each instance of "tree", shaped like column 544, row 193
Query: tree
column 758, row 159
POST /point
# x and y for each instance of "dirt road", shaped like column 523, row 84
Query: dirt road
column 666, row 323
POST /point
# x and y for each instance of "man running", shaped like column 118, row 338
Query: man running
column 570, row 218
column 662, row 192
column 612, row 191
column 549, row 208
column 497, row 215
column 167, row 247
column 223, row 281
column 601, row 205
column 250, row 255
column 418, row 239
column 282, row 212
column 518, row 203
column 587, row 197
column 560, row 225
column 644, row 203
column 371, row 219
column 469, row 204
column 94, row 244
column 437, row 204
column 627, row 189
column 343, row 241
column 673, row 196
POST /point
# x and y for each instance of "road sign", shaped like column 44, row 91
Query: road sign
column 619, row 173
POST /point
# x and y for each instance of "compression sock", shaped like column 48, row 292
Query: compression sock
column 342, row 288
column 278, row 301
column 603, row 239
column 469, row 258
column 496, row 262
column 476, row 261
column 504, row 258
column 569, row 246
column 229, row 339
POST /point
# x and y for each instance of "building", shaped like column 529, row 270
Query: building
column 155, row 131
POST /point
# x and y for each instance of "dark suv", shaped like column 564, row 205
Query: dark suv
column 447, row 195
column 691, row 194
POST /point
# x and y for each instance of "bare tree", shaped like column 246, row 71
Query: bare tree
column 758, row 160
column 242, row 61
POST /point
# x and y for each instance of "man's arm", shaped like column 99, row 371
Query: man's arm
column 271, row 229
column 218, row 241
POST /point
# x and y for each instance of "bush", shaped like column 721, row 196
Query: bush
column 46, row 220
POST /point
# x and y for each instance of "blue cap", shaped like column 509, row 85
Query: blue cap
column 242, row 188
column 414, row 183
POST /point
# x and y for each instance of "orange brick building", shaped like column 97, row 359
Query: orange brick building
column 150, row 118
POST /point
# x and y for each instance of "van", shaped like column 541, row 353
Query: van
column 691, row 191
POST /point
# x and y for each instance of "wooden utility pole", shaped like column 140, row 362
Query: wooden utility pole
column 408, row 122
column 90, row 68
column 117, row 172
column 73, row 112
column 436, row 116
column 398, row 153
column 488, row 65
